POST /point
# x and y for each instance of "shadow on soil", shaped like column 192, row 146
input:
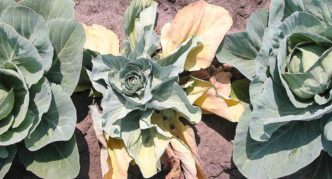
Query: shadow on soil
column 221, row 126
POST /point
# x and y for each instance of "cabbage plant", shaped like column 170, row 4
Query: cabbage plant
column 41, row 48
column 286, row 53
column 142, row 102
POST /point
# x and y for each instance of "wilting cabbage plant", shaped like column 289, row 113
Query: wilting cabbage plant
column 286, row 53
column 41, row 49
column 144, row 109
column 142, row 101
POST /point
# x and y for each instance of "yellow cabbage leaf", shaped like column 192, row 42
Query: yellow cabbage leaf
column 209, row 22
column 114, row 158
column 101, row 40
column 214, row 96
column 183, row 143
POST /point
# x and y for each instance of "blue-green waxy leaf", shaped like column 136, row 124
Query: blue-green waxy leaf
column 67, row 37
column 41, row 96
column 105, row 64
column 134, row 25
column 16, row 135
column 327, row 139
column 113, row 110
column 177, row 60
column 289, row 123
column 296, row 39
column 147, row 45
column 52, row 9
column 135, row 81
column 296, row 23
column 171, row 96
column 327, row 145
column 272, row 109
column 21, row 52
column 14, row 79
column 282, row 73
column 3, row 152
column 320, row 9
column 289, row 149
column 41, row 45
column 57, row 160
column 5, row 163
column 6, row 103
column 6, row 3
column 34, row 28
column 240, row 49
column 279, row 10
column 147, row 41
column 162, row 74
column 328, row 130
column 300, row 22
column 313, row 80
column 97, row 85
column 57, row 124
column 6, row 124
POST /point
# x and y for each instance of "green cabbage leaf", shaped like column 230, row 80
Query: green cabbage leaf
column 286, row 53
column 41, row 48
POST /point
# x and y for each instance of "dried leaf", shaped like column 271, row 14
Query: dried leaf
column 186, row 134
column 175, row 165
column 182, row 152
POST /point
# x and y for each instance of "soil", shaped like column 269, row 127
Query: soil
column 109, row 13
column 214, row 134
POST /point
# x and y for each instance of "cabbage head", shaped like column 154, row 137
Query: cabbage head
column 286, row 52
column 41, row 47
column 141, row 96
